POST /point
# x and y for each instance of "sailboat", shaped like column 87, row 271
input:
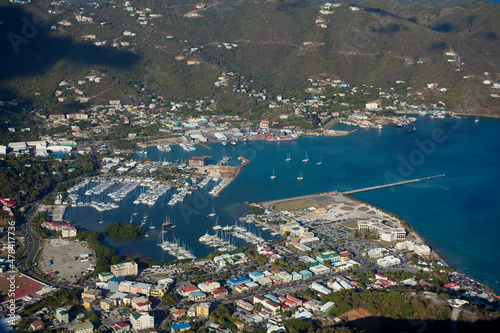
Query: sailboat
column 212, row 214
column 274, row 175
column 152, row 226
column 319, row 163
column 131, row 218
column 300, row 176
column 166, row 223
column 161, row 238
column 216, row 225
column 101, row 221
column 476, row 120
column 288, row 158
column 306, row 159
column 173, row 225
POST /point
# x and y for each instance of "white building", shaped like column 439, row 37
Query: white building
column 320, row 288
column 18, row 146
column 3, row 150
column 372, row 106
column 141, row 321
column 385, row 232
column 419, row 249
column 319, row 269
column 124, row 269
column 388, row 261
column 209, row 286
column 220, row 136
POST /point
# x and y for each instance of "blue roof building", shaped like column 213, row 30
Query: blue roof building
column 273, row 298
column 233, row 282
column 255, row 276
column 114, row 282
column 180, row 327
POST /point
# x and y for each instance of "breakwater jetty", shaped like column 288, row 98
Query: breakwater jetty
column 228, row 182
column 371, row 188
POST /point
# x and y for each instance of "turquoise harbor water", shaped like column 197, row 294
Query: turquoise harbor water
column 458, row 215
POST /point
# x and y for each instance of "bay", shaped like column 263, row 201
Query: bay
column 457, row 215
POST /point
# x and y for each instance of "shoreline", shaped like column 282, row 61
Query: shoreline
column 411, row 230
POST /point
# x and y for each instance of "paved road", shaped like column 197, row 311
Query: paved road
column 454, row 317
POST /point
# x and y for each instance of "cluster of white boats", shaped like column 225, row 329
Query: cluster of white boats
column 176, row 248
column 100, row 206
column 187, row 146
column 165, row 148
column 100, row 188
column 179, row 197
column 261, row 225
column 218, row 243
column 122, row 192
column 152, row 195
column 219, row 187
column 244, row 234
column 224, row 160
column 78, row 186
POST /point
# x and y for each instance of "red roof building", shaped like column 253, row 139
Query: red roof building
column 218, row 293
column 36, row 325
column 121, row 327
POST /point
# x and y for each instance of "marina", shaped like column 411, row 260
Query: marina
column 346, row 157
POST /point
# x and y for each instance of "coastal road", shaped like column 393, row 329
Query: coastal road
column 32, row 243
column 454, row 317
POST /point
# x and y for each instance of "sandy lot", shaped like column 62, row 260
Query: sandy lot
column 348, row 209
column 63, row 254
column 322, row 201
column 356, row 314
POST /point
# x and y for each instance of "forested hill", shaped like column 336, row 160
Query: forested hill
column 176, row 49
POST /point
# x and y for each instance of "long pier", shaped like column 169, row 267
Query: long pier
column 392, row 184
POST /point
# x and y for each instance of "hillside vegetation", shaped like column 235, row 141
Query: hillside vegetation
column 278, row 46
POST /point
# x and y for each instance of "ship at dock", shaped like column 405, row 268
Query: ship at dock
column 282, row 138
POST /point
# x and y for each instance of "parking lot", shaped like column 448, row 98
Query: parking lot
column 63, row 255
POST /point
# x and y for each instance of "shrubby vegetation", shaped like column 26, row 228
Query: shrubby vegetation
column 254, row 210
column 62, row 297
column 124, row 230
column 389, row 304
column 27, row 179
column 123, row 144
column 106, row 256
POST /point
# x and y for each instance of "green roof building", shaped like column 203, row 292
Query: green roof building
column 330, row 256
column 62, row 315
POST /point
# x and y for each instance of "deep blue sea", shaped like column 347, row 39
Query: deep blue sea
column 457, row 215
